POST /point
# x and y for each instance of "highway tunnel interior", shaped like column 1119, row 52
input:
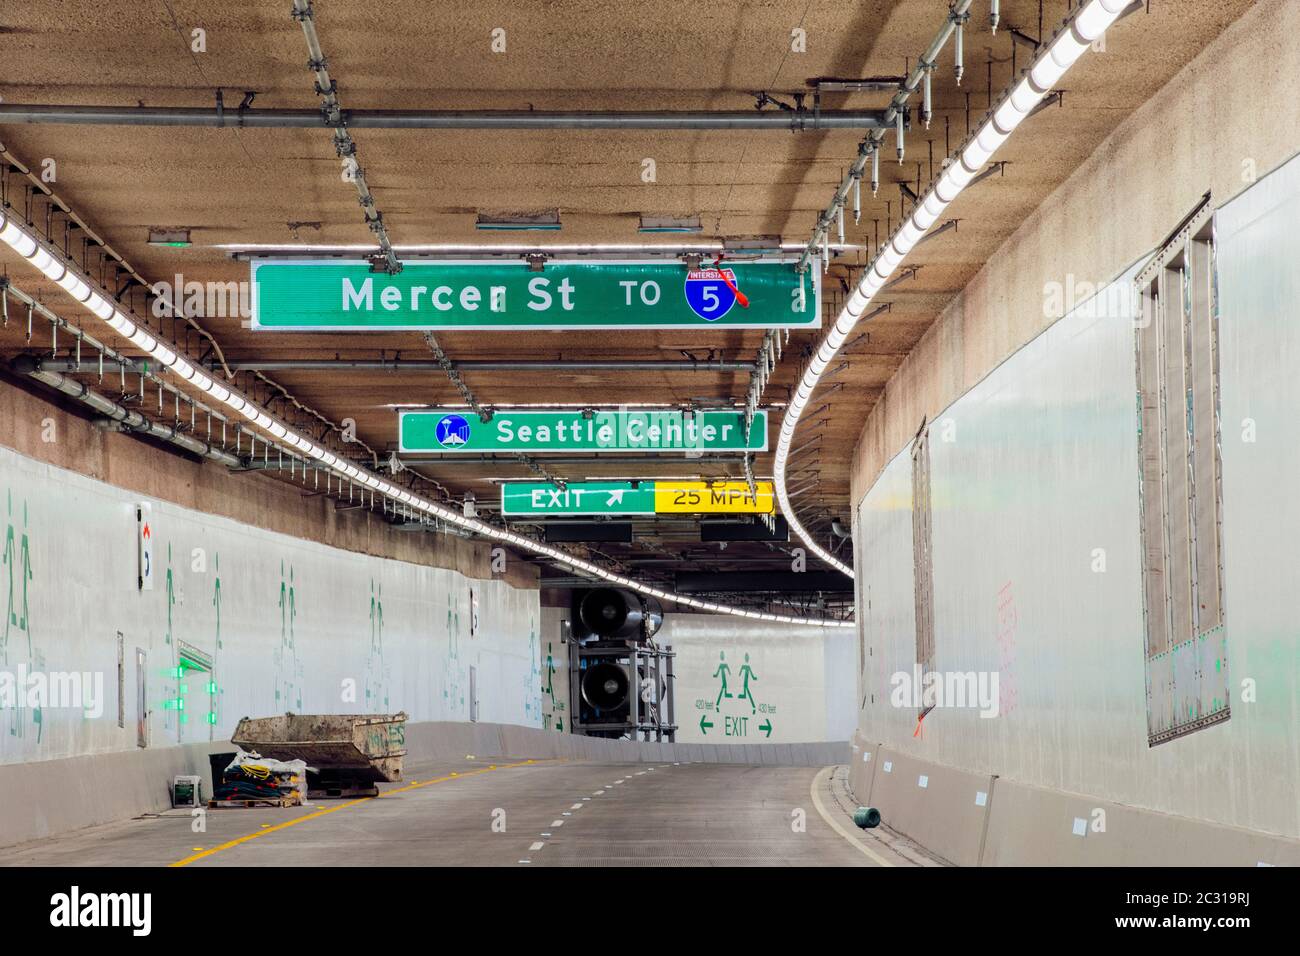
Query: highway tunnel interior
column 515, row 435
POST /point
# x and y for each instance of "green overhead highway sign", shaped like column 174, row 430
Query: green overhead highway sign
column 663, row 430
column 345, row 295
column 520, row 498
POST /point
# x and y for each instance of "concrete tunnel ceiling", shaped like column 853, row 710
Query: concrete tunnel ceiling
column 281, row 188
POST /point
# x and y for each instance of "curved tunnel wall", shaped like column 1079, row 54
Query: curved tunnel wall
column 284, row 624
column 1037, row 555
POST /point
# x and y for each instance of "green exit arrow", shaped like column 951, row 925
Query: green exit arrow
column 705, row 722
column 766, row 726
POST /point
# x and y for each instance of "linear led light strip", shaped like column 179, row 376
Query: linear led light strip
column 506, row 249
column 1087, row 26
column 51, row 262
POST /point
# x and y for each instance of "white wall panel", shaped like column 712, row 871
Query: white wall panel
column 297, row 619
column 886, row 611
column 1259, row 330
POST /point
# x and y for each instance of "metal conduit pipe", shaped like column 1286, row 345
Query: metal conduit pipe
column 871, row 145
column 130, row 420
column 664, row 120
column 331, row 115
column 488, row 365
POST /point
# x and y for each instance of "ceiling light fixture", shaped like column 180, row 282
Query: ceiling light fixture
column 547, row 220
column 1077, row 34
column 177, row 238
column 670, row 224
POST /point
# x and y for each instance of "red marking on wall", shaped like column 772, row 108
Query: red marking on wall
column 1008, row 621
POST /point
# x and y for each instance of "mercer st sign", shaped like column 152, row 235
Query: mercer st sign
column 667, row 430
column 344, row 295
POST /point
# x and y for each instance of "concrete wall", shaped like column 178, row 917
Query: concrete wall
column 797, row 686
column 800, row 679
column 1035, row 472
column 287, row 624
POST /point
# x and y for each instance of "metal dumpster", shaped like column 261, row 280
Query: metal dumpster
column 347, row 754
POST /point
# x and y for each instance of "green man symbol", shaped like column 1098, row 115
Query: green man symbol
column 746, row 672
column 723, row 670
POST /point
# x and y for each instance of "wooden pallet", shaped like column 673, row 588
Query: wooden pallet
column 256, row 802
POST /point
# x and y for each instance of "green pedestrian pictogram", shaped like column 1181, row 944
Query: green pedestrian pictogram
column 746, row 672
column 723, row 670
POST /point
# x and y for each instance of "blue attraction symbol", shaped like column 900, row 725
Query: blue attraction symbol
column 452, row 430
column 708, row 293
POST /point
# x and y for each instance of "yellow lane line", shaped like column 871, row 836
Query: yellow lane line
column 343, row 806
column 822, row 777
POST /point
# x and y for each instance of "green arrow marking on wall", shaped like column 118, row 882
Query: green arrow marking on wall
column 704, row 724
column 766, row 727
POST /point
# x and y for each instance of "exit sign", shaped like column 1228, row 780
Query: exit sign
column 531, row 498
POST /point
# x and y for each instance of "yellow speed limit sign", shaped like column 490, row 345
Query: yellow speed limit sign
column 722, row 497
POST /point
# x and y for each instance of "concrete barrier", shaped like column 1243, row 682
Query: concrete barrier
column 862, row 768
column 54, row 796
column 942, row 809
column 982, row 820
column 1030, row 826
